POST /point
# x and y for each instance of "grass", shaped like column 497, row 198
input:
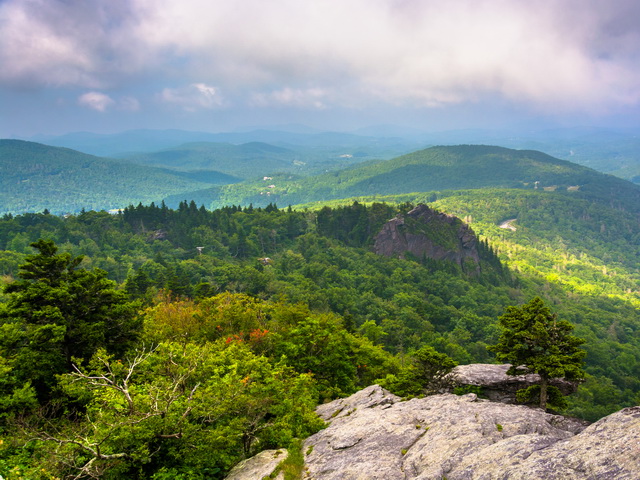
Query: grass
column 293, row 465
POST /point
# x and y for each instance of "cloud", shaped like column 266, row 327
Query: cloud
column 61, row 43
column 289, row 97
column 193, row 97
column 96, row 101
column 554, row 55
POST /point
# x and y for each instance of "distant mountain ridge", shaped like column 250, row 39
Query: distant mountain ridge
column 609, row 150
column 443, row 168
column 133, row 142
column 35, row 177
column 246, row 160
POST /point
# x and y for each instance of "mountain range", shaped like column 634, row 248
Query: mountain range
column 37, row 176
column 609, row 150
column 432, row 170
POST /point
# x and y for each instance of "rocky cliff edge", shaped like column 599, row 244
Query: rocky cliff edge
column 375, row 435
column 423, row 232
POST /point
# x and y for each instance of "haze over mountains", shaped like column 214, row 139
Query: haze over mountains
column 301, row 166
column 610, row 150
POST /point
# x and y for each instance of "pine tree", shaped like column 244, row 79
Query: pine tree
column 533, row 340
column 58, row 314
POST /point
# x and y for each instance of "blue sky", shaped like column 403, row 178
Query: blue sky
column 215, row 65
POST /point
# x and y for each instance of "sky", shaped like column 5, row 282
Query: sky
column 106, row 66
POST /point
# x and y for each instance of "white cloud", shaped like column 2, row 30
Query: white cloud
column 564, row 55
column 554, row 53
column 195, row 96
column 96, row 100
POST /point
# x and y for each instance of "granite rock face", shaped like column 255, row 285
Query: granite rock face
column 258, row 466
column 424, row 232
column 500, row 387
column 374, row 435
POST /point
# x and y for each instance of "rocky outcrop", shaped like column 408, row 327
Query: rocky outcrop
column 374, row 435
column 423, row 232
column 258, row 466
column 497, row 385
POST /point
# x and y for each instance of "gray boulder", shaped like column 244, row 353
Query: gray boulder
column 500, row 387
column 259, row 466
column 374, row 435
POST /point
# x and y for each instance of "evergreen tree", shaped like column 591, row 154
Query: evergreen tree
column 533, row 340
column 58, row 314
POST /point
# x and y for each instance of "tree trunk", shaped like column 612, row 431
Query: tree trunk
column 543, row 392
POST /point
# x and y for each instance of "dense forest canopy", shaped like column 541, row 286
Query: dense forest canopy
column 322, row 259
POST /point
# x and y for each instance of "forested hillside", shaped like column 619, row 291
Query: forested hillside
column 253, row 160
column 35, row 177
column 324, row 260
column 585, row 247
column 436, row 169
column 241, row 160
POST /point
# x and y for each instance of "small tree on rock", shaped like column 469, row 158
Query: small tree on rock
column 427, row 373
column 533, row 340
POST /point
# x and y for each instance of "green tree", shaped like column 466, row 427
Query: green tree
column 57, row 312
column 186, row 411
column 426, row 374
column 533, row 340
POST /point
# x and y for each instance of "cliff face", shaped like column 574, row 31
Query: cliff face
column 375, row 435
column 426, row 233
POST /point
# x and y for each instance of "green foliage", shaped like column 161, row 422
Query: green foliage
column 437, row 169
column 181, row 409
column 426, row 374
column 531, row 395
column 464, row 389
column 16, row 396
column 280, row 308
column 534, row 341
column 58, row 312
column 398, row 304
column 583, row 246
column 314, row 343
column 292, row 467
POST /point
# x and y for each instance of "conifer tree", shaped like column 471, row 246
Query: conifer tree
column 533, row 340
column 58, row 313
